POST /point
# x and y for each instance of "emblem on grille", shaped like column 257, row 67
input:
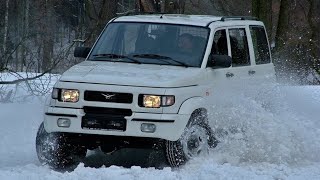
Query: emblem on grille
column 108, row 96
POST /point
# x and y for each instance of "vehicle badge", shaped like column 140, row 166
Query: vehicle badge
column 108, row 96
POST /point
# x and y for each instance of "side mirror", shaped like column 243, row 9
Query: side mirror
column 81, row 52
column 220, row 61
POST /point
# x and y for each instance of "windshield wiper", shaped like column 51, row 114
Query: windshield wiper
column 160, row 57
column 116, row 56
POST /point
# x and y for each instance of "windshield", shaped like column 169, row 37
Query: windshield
column 151, row 43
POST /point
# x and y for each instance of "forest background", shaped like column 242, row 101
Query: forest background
column 39, row 36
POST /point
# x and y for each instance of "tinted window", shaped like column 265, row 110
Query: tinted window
column 220, row 45
column 260, row 45
column 239, row 47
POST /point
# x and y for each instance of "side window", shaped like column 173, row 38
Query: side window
column 260, row 45
column 220, row 45
column 239, row 47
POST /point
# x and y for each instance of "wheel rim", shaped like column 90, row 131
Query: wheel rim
column 195, row 141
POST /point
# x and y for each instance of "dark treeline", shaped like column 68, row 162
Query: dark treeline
column 39, row 36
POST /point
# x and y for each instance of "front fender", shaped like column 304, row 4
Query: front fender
column 185, row 110
column 192, row 104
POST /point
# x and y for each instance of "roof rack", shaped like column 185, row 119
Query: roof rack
column 224, row 18
column 134, row 12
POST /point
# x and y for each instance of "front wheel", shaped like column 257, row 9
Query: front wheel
column 57, row 150
column 196, row 140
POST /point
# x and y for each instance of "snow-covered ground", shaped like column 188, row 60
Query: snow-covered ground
column 272, row 137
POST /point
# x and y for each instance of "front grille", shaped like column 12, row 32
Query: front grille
column 113, row 97
column 107, row 111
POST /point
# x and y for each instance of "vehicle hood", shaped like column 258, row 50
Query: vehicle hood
column 129, row 74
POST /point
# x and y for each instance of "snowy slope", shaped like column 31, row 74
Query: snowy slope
column 272, row 137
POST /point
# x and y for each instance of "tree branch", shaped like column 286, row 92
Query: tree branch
column 24, row 79
column 55, row 63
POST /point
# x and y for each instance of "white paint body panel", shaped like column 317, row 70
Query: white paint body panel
column 146, row 75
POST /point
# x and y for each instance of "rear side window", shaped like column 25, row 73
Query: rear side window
column 260, row 45
column 239, row 47
column 220, row 45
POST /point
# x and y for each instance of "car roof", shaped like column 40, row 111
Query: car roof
column 196, row 20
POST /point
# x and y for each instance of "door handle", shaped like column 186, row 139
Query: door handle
column 251, row 72
column 229, row 75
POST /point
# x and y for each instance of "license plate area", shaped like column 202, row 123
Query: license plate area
column 104, row 122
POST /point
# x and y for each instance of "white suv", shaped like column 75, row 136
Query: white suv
column 145, row 84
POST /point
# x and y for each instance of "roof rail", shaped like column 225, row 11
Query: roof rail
column 224, row 18
column 134, row 12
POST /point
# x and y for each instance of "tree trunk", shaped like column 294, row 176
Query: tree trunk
column 283, row 25
column 46, row 34
column 5, row 36
column 147, row 5
column 162, row 6
column 137, row 6
column 262, row 9
column 25, row 35
column 182, row 4
column 314, row 23
column 107, row 10
column 170, row 6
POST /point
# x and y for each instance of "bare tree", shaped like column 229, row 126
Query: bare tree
column 99, row 14
column 34, row 32
column 45, row 30
column 148, row 5
column 162, row 6
column 314, row 23
column 296, row 41
column 262, row 9
column 25, row 34
column 5, row 36
column 283, row 24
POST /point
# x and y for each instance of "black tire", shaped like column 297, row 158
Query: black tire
column 175, row 151
column 57, row 150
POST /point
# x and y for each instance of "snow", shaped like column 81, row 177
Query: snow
column 131, row 74
column 196, row 20
column 275, row 136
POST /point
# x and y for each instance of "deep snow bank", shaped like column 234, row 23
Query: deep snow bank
column 281, row 126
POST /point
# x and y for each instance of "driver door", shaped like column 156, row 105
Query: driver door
column 231, row 41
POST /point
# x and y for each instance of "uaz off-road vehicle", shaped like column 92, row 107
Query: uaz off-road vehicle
column 145, row 83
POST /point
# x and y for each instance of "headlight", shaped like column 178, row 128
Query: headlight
column 151, row 101
column 69, row 95
column 155, row 101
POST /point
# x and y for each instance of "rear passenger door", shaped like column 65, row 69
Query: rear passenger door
column 263, row 66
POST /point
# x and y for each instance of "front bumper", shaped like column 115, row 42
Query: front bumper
column 168, row 126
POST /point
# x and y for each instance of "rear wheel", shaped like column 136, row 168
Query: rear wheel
column 57, row 149
column 196, row 140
